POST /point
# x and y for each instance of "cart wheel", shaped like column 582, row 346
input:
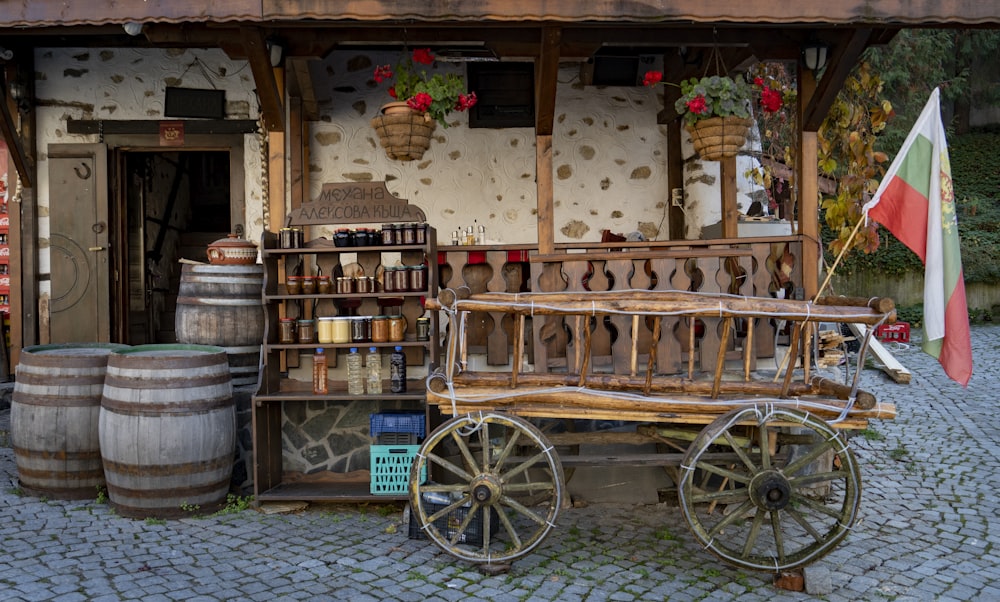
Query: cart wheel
column 499, row 489
column 757, row 501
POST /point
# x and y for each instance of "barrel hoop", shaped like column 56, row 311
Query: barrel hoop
column 30, row 473
column 172, row 492
column 167, row 362
column 47, row 454
column 219, row 301
column 169, row 470
column 38, row 378
column 27, row 398
column 188, row 408
column 113, row 379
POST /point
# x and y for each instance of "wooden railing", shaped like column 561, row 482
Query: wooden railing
column 753, row 267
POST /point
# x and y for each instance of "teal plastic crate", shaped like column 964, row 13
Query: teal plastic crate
column 390, row 468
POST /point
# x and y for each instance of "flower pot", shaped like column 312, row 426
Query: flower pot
column 404, row 133
column 718, row 137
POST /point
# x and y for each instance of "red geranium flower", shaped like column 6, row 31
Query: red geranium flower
column 651, row 78
column 770, row 100
column 423, row 56
column 697, row 105
column 420, row 101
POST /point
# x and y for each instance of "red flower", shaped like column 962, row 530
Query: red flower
column 382, row 73
column 466, row 101
column 651, row 78
column 770, row 100
column 697, row 105
column 420, row 102
column 758, row 81
column 392, row 92
column 423, row 56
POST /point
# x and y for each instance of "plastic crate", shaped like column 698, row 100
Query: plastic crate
column 396, row 439
column 398, row 422
column 896, row 333
column 390, row 468
column 449, row 524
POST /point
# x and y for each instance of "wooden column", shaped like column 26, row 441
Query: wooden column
column 808, row 199
column 543, row 175
column 730, row 212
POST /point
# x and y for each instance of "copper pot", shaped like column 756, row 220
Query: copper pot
column 232, row 250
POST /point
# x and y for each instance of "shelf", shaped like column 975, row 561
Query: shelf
column 312, row 492
column 359, row 345
column 344, row 296
column 333, row 249
column 410, row 395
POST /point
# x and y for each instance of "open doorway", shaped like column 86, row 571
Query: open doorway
column 174, row 204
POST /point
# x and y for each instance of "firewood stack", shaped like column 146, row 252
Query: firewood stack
column 831, row 348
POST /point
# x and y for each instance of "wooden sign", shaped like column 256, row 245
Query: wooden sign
column 355, row 203
column 171, row 133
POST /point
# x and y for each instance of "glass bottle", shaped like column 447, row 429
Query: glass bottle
column 397, row 371
column 373, row 366
column 355, row 377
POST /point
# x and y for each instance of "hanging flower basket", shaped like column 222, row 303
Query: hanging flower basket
column 718, row 137
column 404, row 132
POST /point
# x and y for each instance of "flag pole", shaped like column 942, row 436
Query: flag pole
column 836, row 262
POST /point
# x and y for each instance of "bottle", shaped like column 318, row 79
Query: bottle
column 320, row 371
column 355, row 377
column 373, row 365
column 397, row 371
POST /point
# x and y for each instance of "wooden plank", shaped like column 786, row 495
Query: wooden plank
column 890, row 365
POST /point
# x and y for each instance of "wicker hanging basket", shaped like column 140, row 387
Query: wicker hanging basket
column 404, row 133
column 718, row 137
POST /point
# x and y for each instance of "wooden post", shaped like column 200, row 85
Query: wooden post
column 543, row 169
column 730, row 212
column 808, row 185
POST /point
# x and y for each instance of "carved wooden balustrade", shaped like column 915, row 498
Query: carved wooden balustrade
column 753, row 267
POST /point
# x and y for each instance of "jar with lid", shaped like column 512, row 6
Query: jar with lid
column 397, row 328
column 342, row 329
column 417, row 277
column 380, row 329
column 342, row 237
column 308, row 285
column 409, row 234
column 361, row 329
column 389, row 279
column 387, row 239
column 421, row 233
column 401, row 279
column 287, row 238
column 423, row 329
column 286, row 330
column 307, row 331
column 323, row 285
column 324, row 330
column 397, row 234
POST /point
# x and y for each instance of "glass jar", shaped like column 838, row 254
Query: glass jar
column 418, row 277
column 387, row 234
column 397, row 234
column 421, row 233
column 345, row 285
column 325, row 330
column 342, row 329
column 397, row 328
column 342, row 237
column 286, row 331
column 360, row 329
column 308, row 285
column 307, row 331
column 287, row 238
column 323, row 285
column 401, row 279
column 293, row 285
column 380, row 329
column 423, row 329
column 409, row 234
column 389, row 280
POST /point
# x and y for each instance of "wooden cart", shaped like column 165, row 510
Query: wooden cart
column 764, row 475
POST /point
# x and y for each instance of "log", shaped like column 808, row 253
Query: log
column 577, row 400
column 657, row 302
column 620, row 382
column 882, row 305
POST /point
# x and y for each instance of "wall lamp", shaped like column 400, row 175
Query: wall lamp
column 276, row 51
column 814, row 55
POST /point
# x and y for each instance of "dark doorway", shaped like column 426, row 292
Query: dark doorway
column 174, row 204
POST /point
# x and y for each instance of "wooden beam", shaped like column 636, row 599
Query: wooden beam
column 546, row 77
column 8, row 128
column 300, row 85
column 271, row 109
column 543, row 177
column 152, row 126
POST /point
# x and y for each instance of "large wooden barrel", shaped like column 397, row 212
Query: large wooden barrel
column 221, row 305
column 53, row 418
column 168, row 430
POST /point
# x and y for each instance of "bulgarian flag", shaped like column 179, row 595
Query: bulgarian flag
column 916, row 202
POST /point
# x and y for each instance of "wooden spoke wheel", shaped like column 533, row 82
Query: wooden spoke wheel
column 769, row 488
column 494, row 488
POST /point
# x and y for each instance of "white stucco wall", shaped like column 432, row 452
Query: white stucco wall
column 609, row 154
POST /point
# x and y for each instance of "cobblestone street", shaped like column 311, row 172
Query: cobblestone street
column 928, row 531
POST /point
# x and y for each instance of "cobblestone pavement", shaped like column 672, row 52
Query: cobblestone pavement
column 928, row 531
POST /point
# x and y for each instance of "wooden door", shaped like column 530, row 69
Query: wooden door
column 80, row 249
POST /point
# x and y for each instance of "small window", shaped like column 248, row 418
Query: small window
column 506, row 95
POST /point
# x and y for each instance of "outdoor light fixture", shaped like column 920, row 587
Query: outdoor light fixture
column 814, row 55
column 132, row 28
column 276, row 50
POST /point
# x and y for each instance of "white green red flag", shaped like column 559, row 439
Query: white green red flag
column 916, row 202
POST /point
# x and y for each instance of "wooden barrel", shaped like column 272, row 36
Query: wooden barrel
column 53, row 417
column 168, row 430
column 221, row 305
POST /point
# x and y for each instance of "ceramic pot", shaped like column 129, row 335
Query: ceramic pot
column 232, row 250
